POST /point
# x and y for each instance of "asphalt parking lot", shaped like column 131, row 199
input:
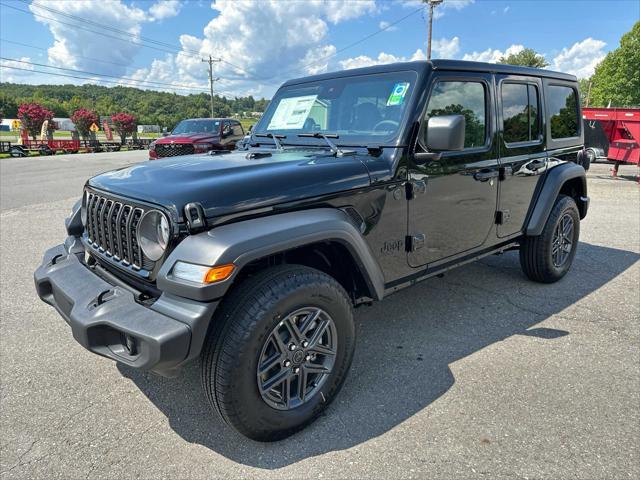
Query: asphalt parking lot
column 479, row 374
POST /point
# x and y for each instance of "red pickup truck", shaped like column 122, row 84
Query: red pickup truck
column 198, row 135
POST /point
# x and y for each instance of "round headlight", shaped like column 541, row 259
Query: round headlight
column 153, row 234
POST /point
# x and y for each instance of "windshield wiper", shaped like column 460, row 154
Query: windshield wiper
column 332, row 146
column 272, row 136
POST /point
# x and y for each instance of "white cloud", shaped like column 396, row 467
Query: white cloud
column 445, row 48
column 382, row 58
column 506, row 9
column 164, row 9
column 383, row 25
column 581, row 58
column 492, row 56
column 12, row 75
column 261, row 47
column 440, row 10
column 72, row 47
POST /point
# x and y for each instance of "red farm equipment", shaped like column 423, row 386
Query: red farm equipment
column 43, row 147
column 619, row 140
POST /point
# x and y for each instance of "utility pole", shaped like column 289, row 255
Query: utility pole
column 211, row 61
column 432, row 5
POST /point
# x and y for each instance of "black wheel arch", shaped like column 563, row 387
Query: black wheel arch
column 323, row 238
column 565, row 179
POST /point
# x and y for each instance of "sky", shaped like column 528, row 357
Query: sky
column 160, row 44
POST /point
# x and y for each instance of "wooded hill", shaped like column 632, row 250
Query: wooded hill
column 150, row 107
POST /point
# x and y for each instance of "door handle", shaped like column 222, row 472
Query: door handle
column 484, row 175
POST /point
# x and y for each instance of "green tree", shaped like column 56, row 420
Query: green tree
column 617, row 78
column 525, row 58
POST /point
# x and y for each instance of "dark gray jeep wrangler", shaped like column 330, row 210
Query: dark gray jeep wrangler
column 353, row 185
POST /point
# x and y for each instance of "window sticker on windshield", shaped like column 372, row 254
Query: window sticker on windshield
column 292, row 113
column 398, row 93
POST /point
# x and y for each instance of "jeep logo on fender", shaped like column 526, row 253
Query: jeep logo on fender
column 389, row 248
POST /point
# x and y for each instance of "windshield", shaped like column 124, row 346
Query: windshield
column 197, row 126
column 359, row 109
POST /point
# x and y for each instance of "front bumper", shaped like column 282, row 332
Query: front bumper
column 106, row 319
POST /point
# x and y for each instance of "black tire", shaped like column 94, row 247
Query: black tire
column 17, row 152
column 241, row 330
column 538, row 255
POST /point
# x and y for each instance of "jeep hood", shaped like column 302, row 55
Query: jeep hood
column 229, row 183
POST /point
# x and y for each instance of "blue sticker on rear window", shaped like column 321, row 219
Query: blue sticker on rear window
column 398, row 93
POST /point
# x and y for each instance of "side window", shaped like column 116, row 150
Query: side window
column 520, row 112
column 563, row 110
column 237, row 130
column 462, row 98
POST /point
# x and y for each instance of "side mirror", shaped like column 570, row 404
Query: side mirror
column 250, row 128
column 445, row 133
column 165, row 134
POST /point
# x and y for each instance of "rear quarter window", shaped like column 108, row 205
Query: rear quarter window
column 563, row 112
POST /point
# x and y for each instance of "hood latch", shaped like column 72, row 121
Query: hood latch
column 195, row 217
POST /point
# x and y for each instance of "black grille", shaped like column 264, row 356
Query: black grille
column 174, row 149
column 111, row 229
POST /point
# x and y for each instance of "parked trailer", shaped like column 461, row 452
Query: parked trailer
column 45, row 147
column 622, row 129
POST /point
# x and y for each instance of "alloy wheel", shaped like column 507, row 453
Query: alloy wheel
column 297, row 358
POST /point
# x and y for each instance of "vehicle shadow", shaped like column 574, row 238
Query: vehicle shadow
column 405, row 346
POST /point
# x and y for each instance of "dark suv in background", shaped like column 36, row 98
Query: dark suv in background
column 354, row 185
column 198, row 135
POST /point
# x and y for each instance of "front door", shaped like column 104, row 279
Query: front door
column 522, row 153
column 453, row 209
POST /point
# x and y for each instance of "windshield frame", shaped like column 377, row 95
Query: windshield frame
column 394, row 139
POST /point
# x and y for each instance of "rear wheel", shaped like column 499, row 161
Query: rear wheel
column 280, row 351
column 547, row 257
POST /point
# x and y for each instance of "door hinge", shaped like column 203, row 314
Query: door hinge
column 415, row 188
column 415, row 242
column 503, row 216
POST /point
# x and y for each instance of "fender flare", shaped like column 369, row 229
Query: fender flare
column 242, row 242
column 555, row 179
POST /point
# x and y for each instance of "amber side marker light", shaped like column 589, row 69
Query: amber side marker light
column 202, row 274
column 217, row 274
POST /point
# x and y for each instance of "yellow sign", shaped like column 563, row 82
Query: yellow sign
column 15, row 125
column 94, row 127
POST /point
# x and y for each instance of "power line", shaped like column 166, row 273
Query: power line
column 182, row 86
column 357, row 42
column 174, row 49
column 79, row 56
column 70, row 76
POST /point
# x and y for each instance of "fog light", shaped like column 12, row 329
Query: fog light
column 201, row 273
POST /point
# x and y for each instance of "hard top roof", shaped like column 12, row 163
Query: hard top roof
column 424, row 66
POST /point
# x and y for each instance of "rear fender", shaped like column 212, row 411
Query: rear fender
column 557, row 177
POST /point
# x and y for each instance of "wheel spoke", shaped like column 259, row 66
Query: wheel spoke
column 309, row 321
column 321, row 349
column 313, row 368
column 302, row 383
column 277, row 339
column 276, row 380
column 296, row 336
column 270, row 362
column 317, row 335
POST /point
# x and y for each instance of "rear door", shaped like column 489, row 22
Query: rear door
column 523, row 157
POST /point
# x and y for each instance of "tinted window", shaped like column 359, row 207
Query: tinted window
column 197, row 126
column 563, row 110
column 520, row 112
column 462, row 98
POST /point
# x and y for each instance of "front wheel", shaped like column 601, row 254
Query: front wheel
column 547, row 257
column 280, row 350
